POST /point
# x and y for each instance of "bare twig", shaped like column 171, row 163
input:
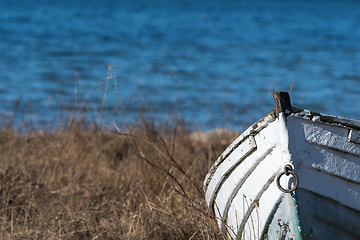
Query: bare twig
column 141, row 156
column 177, row 165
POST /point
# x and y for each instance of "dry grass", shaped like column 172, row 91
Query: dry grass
column 82, row 183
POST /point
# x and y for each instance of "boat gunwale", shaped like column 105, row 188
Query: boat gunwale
column 341, row 122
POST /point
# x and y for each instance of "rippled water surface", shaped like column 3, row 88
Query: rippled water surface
column 215, row 63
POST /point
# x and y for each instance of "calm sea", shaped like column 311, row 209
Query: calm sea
column 212, row 63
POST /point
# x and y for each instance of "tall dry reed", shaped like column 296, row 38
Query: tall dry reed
column 81, row 183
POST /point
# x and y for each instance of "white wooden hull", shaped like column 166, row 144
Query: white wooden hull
column 241, row 187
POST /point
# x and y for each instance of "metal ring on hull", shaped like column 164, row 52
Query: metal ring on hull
column 288, row 170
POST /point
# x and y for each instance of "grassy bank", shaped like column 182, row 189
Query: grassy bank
column 144, row 182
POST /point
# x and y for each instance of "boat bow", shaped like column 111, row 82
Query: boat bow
column 252, row 193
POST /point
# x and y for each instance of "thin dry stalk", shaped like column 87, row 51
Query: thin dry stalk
column 80, row 183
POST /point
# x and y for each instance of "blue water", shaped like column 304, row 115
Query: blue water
column 213, row 63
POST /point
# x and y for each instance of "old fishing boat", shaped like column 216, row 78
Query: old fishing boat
column 294, row 174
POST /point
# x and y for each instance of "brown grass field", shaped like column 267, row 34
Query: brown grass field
column 144, row 182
